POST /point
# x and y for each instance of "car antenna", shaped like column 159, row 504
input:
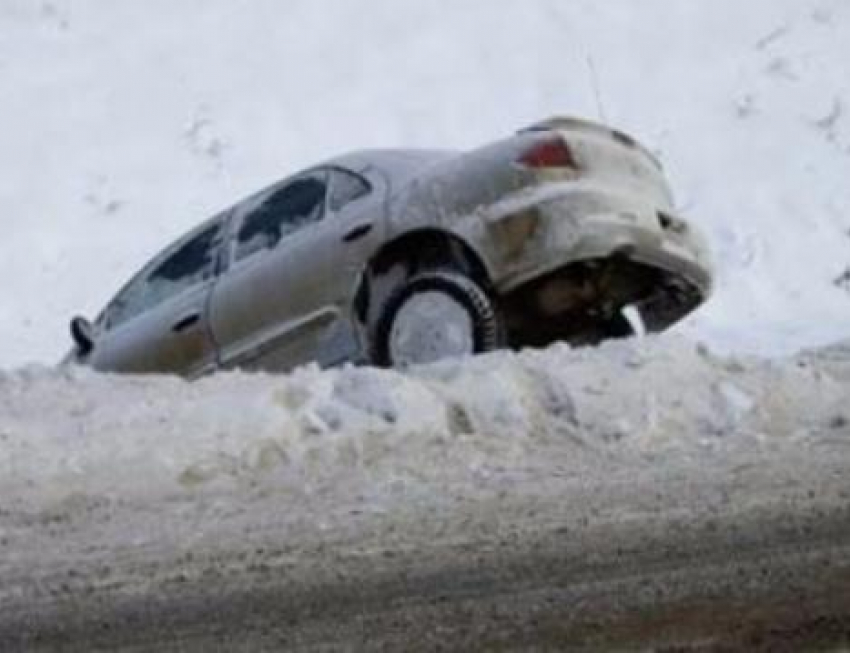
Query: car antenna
column 594, row 84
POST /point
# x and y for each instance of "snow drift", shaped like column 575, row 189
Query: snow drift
column 80, row 433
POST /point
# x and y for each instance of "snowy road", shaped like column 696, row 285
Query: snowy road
column 641, row 494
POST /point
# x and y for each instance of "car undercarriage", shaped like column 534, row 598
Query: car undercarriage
column 582, row 303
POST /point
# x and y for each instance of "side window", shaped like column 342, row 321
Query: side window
column 283, row 212
column 192, row 262
column 346, row 187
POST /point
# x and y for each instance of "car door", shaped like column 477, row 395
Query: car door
column 279, row 303
column 159, row 321
column 357, row 229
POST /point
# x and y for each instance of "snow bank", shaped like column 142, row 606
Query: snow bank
column 79, row 434
column 531, row 493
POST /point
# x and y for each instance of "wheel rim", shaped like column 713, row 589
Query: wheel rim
column 430, row 326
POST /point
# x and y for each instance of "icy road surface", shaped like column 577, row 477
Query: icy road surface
column 648, row 493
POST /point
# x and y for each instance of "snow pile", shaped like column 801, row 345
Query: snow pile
column 117, row 139
column 151, row 512
column 549, row 413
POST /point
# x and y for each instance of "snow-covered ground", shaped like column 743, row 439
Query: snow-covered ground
column 541, row 492
column 122, row 124
column 79, row 433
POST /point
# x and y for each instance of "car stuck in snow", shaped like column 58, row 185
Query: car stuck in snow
column 400, row 257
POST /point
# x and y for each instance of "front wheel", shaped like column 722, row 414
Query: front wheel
column 434, row 315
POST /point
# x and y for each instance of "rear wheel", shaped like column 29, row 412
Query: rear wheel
column 434, row 315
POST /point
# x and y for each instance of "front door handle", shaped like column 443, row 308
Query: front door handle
column 357, row 232
column 186, row 323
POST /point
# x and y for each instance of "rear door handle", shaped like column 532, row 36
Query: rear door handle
column 186, row 323
column 357, row 232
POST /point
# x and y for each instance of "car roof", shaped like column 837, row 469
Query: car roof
column 394, row 163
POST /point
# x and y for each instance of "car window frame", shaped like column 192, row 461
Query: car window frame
column 105, row 322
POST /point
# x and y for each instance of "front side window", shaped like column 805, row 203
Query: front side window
column 285, row 211
column 189, row 264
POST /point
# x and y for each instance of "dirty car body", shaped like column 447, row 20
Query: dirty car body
column 400, row 257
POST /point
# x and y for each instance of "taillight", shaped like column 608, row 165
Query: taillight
column 552, row 153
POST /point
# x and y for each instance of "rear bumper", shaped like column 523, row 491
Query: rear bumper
column 570, row 262
column 560, row 237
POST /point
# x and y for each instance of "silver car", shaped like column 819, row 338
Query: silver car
column 402, row 257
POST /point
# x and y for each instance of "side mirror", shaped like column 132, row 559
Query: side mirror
column 83, row 334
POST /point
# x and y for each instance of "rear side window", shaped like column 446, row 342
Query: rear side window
column 346, row 187
column 285, row 211
column 188, row 264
